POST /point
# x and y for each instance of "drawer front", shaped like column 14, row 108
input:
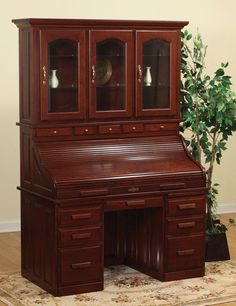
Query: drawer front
column 80, row 216
column 67, row 237
column 185, row 225
column 109, row 129
column 81, row 265
column 54, row 132
column 185, row 253
column 133, row 128
column 156, row 127
column 133, row 203
column 186, row 206
column 86, row 130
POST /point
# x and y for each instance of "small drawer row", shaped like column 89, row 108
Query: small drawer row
column 105, row 129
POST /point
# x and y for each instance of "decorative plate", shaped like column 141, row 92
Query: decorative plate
column 103, row 71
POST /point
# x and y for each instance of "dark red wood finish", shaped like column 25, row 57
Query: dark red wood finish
column 104, row 187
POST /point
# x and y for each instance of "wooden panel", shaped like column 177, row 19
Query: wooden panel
column 185, row 252
column 38, row 243
column 81, row 265
column 80, row 216
column 83, row 236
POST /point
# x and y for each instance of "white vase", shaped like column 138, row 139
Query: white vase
column 54, row 82
column 148, row 77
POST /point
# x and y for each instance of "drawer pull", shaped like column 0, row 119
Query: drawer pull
column 81, row 216
column 81, row 265
column 91, row 192
column 170, row 186
column 135, row 203
column 186, row 224
column 80, row 236
column 187, row 206
column 186, row 252
column 55, row 132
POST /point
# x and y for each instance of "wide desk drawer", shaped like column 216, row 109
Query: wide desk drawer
column 81, row 265
column 133, row 203
column 79, row 216
column 184, row 253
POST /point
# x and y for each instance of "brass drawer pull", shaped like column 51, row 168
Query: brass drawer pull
column 135, row 203
column 81, row 265
column 187, row 206
column 186, row 225
column 81, row 216
column 186, row 252
column 80, row 236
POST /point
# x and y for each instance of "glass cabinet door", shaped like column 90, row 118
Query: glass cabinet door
column 110, row 74
column 63, row 60
column 156, row 73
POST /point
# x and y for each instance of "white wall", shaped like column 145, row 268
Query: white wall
column 215, row 20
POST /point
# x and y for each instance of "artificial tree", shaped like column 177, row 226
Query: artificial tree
column 209, row 112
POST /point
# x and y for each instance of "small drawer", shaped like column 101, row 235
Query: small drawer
column 81, row 265
column 185, row 253
column 80, row 216
column 186, row 206
column 156, row 127
column 185, row 225
column 67, row 237
column 109, row 129
column 54, row 132
column 133, row 128
column 86, row 130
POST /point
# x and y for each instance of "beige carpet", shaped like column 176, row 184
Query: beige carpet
column 126, row 287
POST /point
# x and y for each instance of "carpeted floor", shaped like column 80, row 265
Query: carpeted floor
column 125, row 287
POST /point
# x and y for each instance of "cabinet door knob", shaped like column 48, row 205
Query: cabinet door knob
column 162, row 127
column 140, row 73
column 86, row 130
column 93, row 74
column 110, row 129
column 44, row 75
column 55, row 132
column 134, row 128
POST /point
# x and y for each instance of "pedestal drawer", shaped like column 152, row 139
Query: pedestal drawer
column 185, row 225
column 67, row 237
column 79, row 216
column 81, row 265
column 185, row 253
column 186, row 206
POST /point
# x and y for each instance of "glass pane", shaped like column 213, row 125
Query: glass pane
column 63, row 79
column 156, row 74
column 110, row 75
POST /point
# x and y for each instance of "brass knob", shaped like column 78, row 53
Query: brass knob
column 162, row 126
column 134, row 128
column 55, row 132
column 86, row 130
column 110, row 129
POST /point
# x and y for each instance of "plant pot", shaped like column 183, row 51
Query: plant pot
column 216, row 247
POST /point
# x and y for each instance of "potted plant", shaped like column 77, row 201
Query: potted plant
column 209, row 114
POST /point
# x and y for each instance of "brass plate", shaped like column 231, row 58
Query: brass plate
column 103, row 71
